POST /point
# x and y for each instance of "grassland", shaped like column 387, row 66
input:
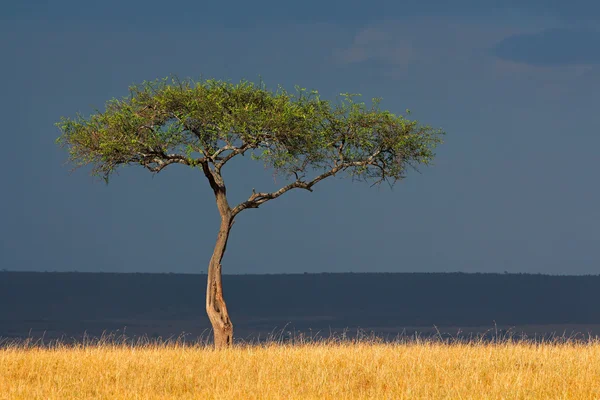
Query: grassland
column 333, row 370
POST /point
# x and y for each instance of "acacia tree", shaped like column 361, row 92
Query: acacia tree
column 206, row 124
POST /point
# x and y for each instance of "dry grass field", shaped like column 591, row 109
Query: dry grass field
column 334, row 370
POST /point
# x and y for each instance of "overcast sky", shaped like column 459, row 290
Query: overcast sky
column 514, row 188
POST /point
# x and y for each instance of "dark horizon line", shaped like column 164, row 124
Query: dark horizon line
column 305, row 273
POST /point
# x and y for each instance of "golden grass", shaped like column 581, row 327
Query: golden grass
column 425, row 370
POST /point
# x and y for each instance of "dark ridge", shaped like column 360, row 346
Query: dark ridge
column 159, row 304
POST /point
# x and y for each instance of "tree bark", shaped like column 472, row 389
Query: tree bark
column 215, row 303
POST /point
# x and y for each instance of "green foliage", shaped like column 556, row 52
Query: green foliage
column 209, row 122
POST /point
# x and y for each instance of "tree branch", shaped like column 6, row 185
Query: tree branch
column 234, row 152
column 219, row 163
column 256, row 199
column 161, row 161
column 215, row 180
column 218, row 186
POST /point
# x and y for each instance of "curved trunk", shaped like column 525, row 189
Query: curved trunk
column 215, row 304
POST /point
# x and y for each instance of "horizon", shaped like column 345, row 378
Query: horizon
column 307, row 273
column 54, row 304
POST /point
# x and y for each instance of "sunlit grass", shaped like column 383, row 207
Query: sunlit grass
column 313, row 370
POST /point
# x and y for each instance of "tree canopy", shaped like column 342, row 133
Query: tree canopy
column 207, row 123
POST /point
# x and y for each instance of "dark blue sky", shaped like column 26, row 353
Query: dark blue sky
column 514, row 188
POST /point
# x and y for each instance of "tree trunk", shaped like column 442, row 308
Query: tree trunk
column 215, row 304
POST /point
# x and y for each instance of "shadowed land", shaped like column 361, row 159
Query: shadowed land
column 67, row 305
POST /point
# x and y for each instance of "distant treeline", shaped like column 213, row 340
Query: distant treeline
column 338, row 300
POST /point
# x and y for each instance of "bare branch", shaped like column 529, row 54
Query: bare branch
column 234, row 152
column 161, row 161
column 258, row 198
column 217, row 153
column 214, row 178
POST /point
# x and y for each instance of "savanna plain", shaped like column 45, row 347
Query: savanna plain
column 366, row 369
